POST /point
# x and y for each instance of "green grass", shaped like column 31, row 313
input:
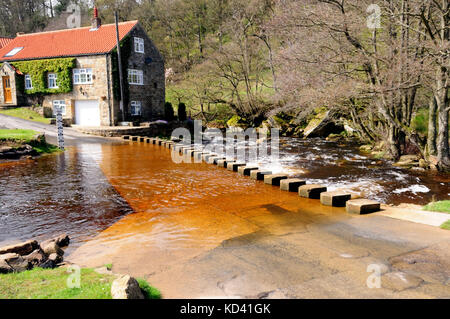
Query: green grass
column 52, row 284
column 109, row 266
column 26, row 114
column 446, row 225
column 442, row 207
column 149, row 291
column 20, row 135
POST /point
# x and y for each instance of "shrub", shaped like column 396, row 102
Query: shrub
column 148, row 291
column 168, row 112
column 182, row 112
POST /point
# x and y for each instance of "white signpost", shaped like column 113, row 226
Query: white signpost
column 59, row 125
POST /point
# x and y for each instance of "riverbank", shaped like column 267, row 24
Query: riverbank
column 17, row 144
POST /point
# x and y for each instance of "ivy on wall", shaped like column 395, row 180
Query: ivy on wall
column 39, row 69
column 126, row 47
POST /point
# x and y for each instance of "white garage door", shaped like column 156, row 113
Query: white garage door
column 87, row 113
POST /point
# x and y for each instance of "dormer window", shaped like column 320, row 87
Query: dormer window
column 28, row 83
column 52, row 81
column 139, row 45
column 13, row 52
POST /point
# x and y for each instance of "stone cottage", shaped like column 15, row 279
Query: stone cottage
column 77, row 71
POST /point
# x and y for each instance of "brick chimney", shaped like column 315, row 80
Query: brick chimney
column 96, row 21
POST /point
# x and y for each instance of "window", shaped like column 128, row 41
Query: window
column 136, row 77
column 52, row 81
column 82, row 76
column 139, row 45
column 136, row 108
column 13, row 52
column 28, row 83
column 59, row 104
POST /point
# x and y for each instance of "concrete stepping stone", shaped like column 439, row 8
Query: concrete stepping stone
column 217, row 159
column 274, row 179
column 213, row 158
column 148, row 140
column 134, row 138
column 362, row 206
column 259, row 175
column 246, row 170
column 126, row 137
column 312, row 191
column 233, row 166
column 336, row 198
column 291, row 184
column 141, row 139
column 224, row 162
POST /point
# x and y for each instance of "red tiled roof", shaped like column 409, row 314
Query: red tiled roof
column 66, row 43
column 4, row 41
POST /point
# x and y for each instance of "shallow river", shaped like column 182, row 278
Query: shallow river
column 92, row 186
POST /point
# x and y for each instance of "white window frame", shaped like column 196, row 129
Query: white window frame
column 83, row 76
column 139, row 45
column 135, row 77
column 28, row 82
column 52, row 77
column 134, row 105
column 59, row 103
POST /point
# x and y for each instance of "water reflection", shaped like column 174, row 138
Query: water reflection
column 55, row 194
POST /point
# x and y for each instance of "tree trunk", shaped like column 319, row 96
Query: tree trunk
column 432, row 123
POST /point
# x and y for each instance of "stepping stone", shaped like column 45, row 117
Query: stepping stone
column 311, row 191
column 213, row 159
column 291, row 184
column 126, row 137
column 259, row 175
column 134, row 138
column 148, row 140
column 198, row 155
column 141, row 139
column 246, row 170
column 233, row 166
column 159, row 142
column 217, row 159
column 224, row 163
column 336, row 198
column 153, row 141
column 362, row 206
column 274, row 179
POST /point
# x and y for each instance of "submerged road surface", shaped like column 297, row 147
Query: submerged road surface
column 202, row 231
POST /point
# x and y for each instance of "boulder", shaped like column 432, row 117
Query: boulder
column 4, row 267
column 57, row 259
column 322, row 126
column 50, row 247
column 48, row 264
column 24, row 248
column 36, row 258
column 62, row 240
column 15, row 261
column 126, row 287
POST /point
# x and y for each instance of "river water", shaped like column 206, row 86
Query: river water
column 92, row 186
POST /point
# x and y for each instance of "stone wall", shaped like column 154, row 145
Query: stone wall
column 97, row 91
column 7, row 71
column 152, row 93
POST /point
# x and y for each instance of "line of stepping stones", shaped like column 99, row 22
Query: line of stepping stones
column 313, row 191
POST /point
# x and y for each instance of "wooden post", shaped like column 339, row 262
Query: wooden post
column 119, row 58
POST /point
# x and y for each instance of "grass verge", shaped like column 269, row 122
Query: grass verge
column 52, row 284
column 442, row 207
column 26, row 114
column 446, row 225
column 17, row 135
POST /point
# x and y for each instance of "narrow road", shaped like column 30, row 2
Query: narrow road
column 71, row 136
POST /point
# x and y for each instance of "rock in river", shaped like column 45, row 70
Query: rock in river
column 126, row 287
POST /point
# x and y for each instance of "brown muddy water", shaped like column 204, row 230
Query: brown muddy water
column 93, row 186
